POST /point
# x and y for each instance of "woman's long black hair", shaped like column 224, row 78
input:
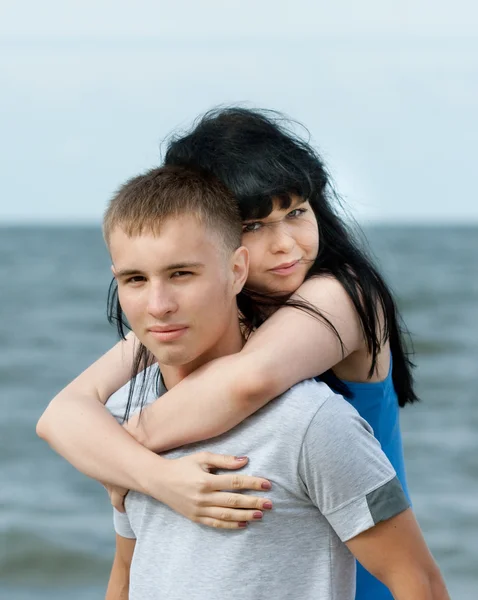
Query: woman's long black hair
column 259, row 158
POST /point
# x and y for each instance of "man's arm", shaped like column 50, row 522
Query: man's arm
column 118, row 585
column 355, row 487
column 395, row 552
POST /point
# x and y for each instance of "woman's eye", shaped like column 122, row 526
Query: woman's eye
column 296, row 212
column 135, row 279
column 249, row 227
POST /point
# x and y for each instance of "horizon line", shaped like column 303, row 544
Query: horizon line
column 399, row 222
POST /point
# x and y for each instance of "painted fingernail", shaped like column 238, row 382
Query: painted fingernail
column 266, row 485
column 257, row 515
column 267, row 505
column 240, row 457
column 242, row 524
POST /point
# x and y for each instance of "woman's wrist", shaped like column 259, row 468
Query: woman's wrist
column 149, row 472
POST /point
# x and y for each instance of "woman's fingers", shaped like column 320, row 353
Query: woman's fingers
column 238, row 482
column 234, row 481
column 117, row 500
column 228, row 514
column 236, row 501
column 117, row 495
column 217, row 524
column 189, row 488
column 222, row 461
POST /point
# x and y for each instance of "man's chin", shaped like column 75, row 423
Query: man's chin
column 174, row 357
column 175, row 354
column 164, row 355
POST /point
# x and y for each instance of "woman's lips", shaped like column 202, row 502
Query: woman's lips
column 285, row 268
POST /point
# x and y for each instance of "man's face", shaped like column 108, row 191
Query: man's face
column 178, row 288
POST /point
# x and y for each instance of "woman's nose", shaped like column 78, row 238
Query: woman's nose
column 282, row 241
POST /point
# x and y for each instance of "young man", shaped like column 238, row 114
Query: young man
column 174, row 238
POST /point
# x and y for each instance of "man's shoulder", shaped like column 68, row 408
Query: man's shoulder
column 315, row 406
column 305, row 402
column 314, row 395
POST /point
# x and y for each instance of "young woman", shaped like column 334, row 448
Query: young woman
column 298, row 246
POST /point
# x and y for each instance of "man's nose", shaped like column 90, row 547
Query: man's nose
column 161, row 302
column 282, row 240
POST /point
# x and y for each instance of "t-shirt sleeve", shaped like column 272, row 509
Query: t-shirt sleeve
column 122, row 524
column 346, row 473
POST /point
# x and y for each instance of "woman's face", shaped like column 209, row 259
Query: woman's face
column 282, row 247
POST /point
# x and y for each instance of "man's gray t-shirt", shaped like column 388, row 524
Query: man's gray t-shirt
column 330, row 482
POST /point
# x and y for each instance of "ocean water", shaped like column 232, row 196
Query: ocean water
column 56, row 536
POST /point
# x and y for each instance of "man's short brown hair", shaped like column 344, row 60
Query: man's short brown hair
column 143, row 204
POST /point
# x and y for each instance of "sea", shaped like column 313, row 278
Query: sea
column 56, row 532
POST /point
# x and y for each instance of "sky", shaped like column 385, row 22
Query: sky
column 90, row 91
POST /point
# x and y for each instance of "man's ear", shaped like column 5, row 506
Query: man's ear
column 240, row 268
column 113, row 271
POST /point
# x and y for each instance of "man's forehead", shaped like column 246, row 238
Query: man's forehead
column 150, row 226
column 182, row 230
column 170, row 249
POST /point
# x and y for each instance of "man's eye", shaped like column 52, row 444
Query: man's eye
column 180, row 274
column 249, row 227
column 135, row 279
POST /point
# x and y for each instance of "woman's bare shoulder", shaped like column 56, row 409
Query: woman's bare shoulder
column 322, row 287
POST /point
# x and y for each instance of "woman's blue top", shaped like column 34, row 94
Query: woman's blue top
column 377, row 403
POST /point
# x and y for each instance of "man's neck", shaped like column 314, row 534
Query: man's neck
column 231, row 342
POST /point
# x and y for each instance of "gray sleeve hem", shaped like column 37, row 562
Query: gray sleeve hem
column 122, row 525
column 387, row 501
column 363, row 494
column 382, row 504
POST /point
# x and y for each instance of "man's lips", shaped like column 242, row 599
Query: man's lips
column 165, row 328
column 167, row 333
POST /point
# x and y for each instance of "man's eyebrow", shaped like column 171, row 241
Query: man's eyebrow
column 184, row 265
column 173, row 267
column 127, row 272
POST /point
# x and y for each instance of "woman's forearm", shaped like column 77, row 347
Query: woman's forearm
column 78, row 426
column 289, row 347
column 207, row 403
column 82, row 430
column 93, row 442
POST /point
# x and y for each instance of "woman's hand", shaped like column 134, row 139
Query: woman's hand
column 188, row 487
column 117, row 495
